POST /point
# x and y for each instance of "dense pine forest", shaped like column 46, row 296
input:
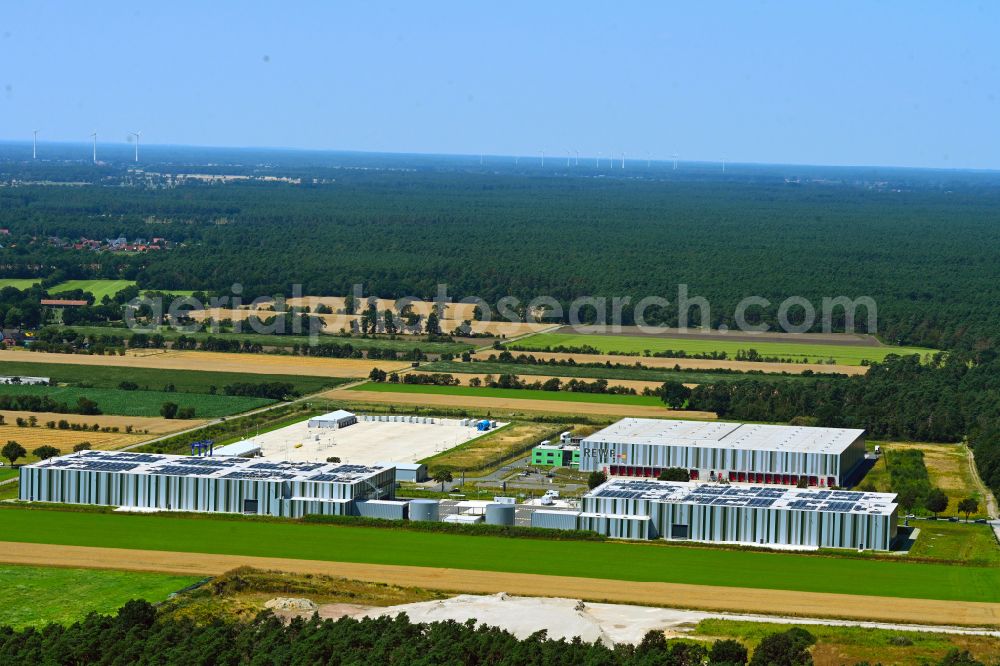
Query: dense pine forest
column 923, row 250
column 921, row 244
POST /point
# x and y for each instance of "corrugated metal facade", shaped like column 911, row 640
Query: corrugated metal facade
column 191, row 493
column 748, row 525
column 706, row 459
column 555, row 520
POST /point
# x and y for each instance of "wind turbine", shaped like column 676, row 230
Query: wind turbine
column 598, row 163
column 723, row 165
column 649, row 159
column 34, row 144
column 577, row 158
column 675, row 161
column 569, row 159
column 94, row 135
column 623, row 160
column 543, row 159
column 136, row 134
column 611, row 158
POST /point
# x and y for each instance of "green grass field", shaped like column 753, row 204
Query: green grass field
column 32, row 596
column 622, row 344
column 584, row 372
column 18, row 283
column 966, row 542
column 607, row 560
column 7, row 473
column 522, row 394
column 399, row 344
column 141, row 403
column 192, row 381
column 99, row 288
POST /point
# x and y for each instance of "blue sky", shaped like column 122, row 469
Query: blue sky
column 886, row 83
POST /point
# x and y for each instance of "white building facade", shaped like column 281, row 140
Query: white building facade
column 209, row 483
column 735, row 452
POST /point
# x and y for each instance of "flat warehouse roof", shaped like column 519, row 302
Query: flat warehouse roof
column 214, row 467
column 744, row 436
column 714, row 494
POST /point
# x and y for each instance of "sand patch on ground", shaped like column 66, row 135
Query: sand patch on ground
column 516, row 405
column 697, row 363
column 677, row 595
column 268, row 364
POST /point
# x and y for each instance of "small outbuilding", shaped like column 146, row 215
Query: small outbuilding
column 338, row 419
column 412, row 472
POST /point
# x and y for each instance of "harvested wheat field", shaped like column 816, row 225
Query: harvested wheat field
column 516, row 405
column 699, row 363
column 452, row 311
column 677, row 595
column 65, row 440
column 267, row 364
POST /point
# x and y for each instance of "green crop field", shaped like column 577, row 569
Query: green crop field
column 193, row 381
column 141, row 403
column 598, row 372
column 402, row 344
column 622, row 344
column 523, row 394
column 607, row 560
column 99, row 288
column 39, row 595
column 18, row 283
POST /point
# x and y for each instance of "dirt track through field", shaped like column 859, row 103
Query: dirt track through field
column 810, row 604
column 515, row 404
column 696, row 363
column 268, row 364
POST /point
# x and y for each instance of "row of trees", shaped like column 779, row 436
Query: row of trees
column 138, row 634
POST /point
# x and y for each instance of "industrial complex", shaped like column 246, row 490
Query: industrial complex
column 717, row 509
column 722, row 513
column 205, row 483
column 735, row 452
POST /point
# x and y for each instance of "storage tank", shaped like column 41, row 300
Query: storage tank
column 425, row 509
column 499, row 514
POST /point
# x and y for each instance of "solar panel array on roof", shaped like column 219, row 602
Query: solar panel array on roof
column 101, row 466
column 758, row 497
column 258, row 475
column 202, row 466
column 185, row 470
column 281, row 466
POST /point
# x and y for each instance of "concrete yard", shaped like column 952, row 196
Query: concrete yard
column 366, row 442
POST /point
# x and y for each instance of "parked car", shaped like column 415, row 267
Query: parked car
column 981, row 521
column 952, row 519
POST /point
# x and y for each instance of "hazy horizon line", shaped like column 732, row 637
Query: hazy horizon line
column 536, row 156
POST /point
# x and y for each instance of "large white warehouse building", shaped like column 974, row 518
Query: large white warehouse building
column 746, row 515
column 210, row 483
column 737, row 452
